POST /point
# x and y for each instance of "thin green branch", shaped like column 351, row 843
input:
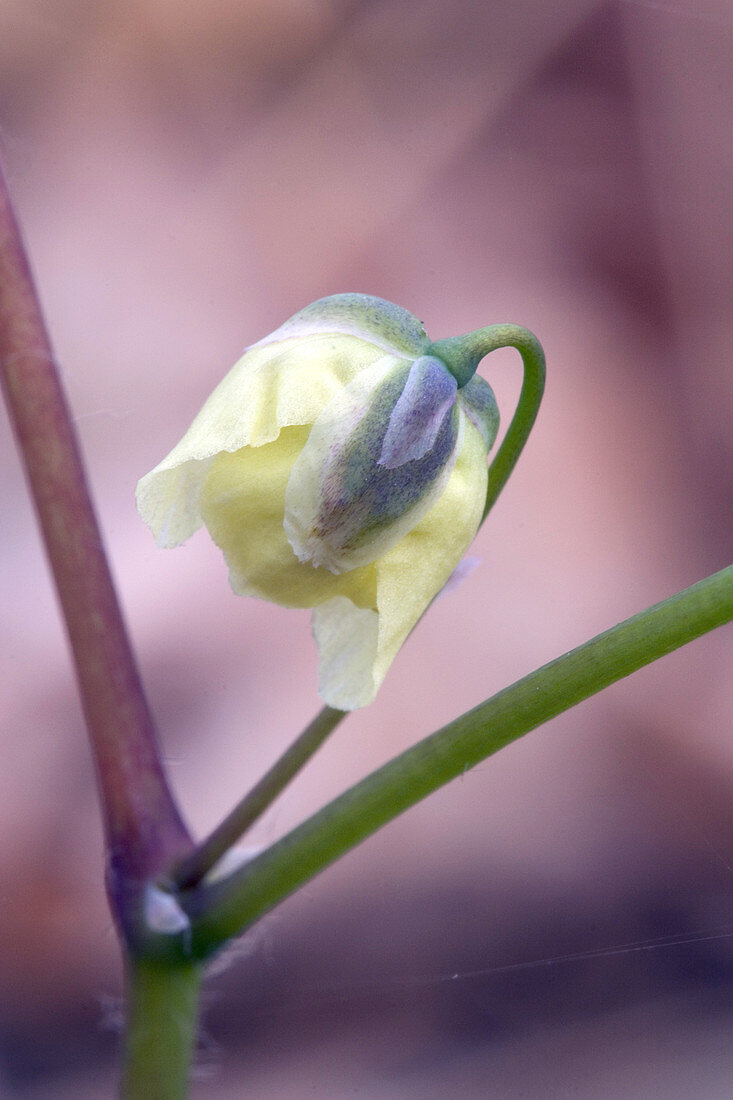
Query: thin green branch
column 227, row 907
column 194, row 866
column 144, row 829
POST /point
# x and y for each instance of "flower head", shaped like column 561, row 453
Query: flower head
column 338, row 466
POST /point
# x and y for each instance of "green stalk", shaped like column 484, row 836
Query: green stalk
column 227, row 907
column 161, row 1005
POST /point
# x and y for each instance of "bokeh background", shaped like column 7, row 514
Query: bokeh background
column 558, row 922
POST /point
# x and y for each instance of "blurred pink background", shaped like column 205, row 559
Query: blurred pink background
column 188, row 175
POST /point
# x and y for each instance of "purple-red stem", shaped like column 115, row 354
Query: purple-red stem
column 144, row 829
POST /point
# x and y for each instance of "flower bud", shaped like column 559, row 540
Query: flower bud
column 338, row 466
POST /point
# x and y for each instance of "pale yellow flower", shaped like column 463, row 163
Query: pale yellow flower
column 338, row 466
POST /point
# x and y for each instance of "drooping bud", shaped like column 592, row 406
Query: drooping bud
column 340, row 465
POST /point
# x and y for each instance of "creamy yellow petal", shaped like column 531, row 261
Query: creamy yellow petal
column 347, row 638
column 412, row 574
column 271, row 387
column 409, row 577
column 242, row 502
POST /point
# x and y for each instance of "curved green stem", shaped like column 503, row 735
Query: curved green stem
column 193, row 867
column 530, row 396
column 462, row 354
column 225, row 908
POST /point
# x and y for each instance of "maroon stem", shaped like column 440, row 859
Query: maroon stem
column 144, row 829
